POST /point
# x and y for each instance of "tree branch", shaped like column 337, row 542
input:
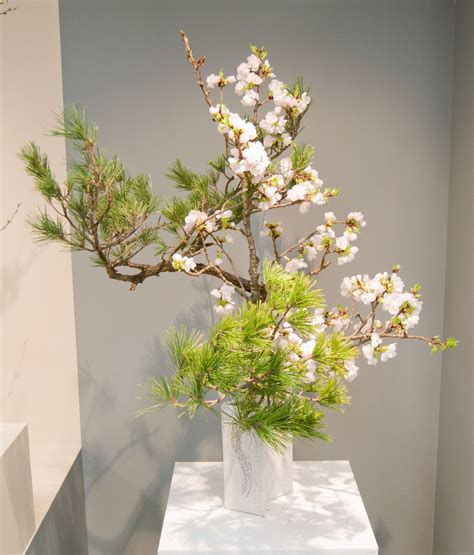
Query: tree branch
column 197, row 68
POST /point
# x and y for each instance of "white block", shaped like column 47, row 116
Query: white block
column 17, row 517
column 323, row 515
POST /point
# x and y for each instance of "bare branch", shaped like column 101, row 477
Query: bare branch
column 10, row 219
column 5, row 12
column 197, row 68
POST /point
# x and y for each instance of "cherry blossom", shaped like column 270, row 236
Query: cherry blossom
column 351, row 370
column 196, row 219
column 295, row 264
column 271, row 229
column 185, row 263
column 224, row 303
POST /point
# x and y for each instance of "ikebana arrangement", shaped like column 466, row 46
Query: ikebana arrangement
column 275, row 360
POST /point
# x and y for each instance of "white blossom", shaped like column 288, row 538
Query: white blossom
column 250, row 98
column 299, row 191
column 269, row 190
column 233, row 125
column 283, row 98
column 310, row 371
column 219, row 111
column 351, row 370
column 361, row 288
column 248, row 79
column 286, row 336
column 374, row 349
column 212, row 80
column 354, row 222
column 388, row 352
column 329, row 218
column 405, row 306
column 185, row 263
column 242, row 71
column 348, row 255
column 286, row 168
column 368, row 352
column 342, row 243
column 224, row 303
column 223, row 215
column 253, row 62
column 340, row 322
column 319, row 321
column 254, row 160
column 295, row 264
column 195, row 218
column 307, row 348
column 375, row 340
column 274, row 122
column 310, row 250
column 219, row 80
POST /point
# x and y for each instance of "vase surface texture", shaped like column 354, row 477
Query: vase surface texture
column 253, row 472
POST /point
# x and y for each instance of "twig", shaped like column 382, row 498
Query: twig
column 10, row 220
column 197, row 68
column 5, row 12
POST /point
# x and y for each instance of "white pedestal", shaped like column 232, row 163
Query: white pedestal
column 17, row 518
column 323, row 515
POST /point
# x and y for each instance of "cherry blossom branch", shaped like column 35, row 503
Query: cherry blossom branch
column 365, row 337
column 196, row 64
column 231, row 262
column 322, row 265
column 253, row 258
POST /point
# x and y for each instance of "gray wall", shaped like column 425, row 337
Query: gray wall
column 381, row 77
column 454, row 521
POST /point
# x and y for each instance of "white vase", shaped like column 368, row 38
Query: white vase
column 253, row 472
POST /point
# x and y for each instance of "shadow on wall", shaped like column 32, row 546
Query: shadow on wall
column 155, row 440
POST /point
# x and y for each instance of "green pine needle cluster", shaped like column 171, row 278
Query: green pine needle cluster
column 241, row 363
column 102, row 209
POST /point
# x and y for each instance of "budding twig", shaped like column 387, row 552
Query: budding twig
column 197, row 68
column 10, row 219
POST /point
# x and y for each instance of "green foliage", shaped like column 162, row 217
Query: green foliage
column 277, row 422
column 301, row 156
column 47, row 229
column 102, row 205
column 290, row 290
column 37, row 165
column 219, row 164
column 332, row 350
column 449, row 343
column 241, row 362
column 297, row 88
column 72, row 124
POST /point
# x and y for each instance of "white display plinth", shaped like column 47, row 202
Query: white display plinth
column 323, row 515
column 17, row 517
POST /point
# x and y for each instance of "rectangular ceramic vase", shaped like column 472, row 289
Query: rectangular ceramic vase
column 253, row 472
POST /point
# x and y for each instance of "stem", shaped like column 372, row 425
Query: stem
column 253, row 258
column 196, row 66
column 10, row 219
